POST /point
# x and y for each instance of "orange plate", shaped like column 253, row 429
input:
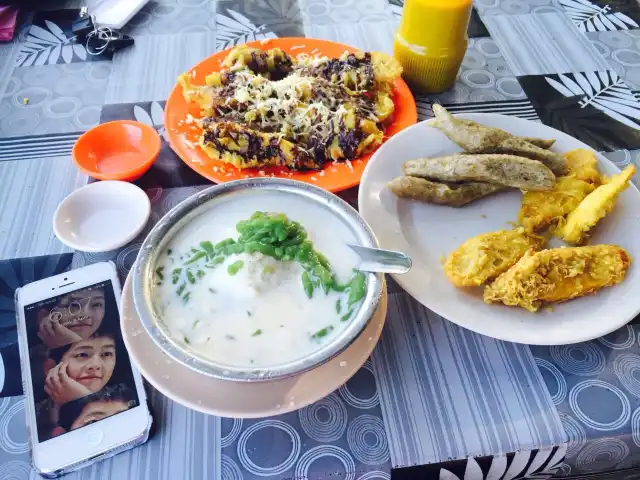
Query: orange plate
column 184, row 138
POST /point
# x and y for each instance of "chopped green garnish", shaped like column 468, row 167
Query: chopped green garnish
column 160, row 272
column 322, row 333
column 175, row 275
column 346, row 316
column 197, row 256
column 249, row 313
column 181, row 289
column 338, row 306
column 186, row 297
column 235, row 267
column 357, row 288
column 186, row 340
column 208, row 248
column 190, row 277
column 200, row 274
column 169, row 251
column 307, row 284
column 195, row 323
column 256, row 333
column 212, row 290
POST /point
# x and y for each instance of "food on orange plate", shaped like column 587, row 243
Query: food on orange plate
column 441, row 193
column 593, row 208
column 476, row 138
column 268, row 108
column 540, row 210
column 559, row 274
column 486, row 256
column 583, row 165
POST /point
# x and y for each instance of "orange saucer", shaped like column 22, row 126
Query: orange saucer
column 120, row 150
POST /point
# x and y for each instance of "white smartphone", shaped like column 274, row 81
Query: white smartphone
column 84, row 400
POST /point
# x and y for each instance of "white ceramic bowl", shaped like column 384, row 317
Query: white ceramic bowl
column 101, row 216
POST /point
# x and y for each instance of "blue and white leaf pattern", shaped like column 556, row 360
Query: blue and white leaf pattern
column 605, row 91
column 48, row 47
column 236, row 29
column 155, row 119
column 544, row 464
column 593, row 18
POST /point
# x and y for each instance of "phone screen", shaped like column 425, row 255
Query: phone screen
column 80, row 370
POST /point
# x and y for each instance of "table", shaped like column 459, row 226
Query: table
column 435, row 400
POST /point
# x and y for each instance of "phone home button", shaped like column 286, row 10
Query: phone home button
column 94, row 437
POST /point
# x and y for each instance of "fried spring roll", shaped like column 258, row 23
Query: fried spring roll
column 539, row 142
column 507, row 170
column 559, row 274
column 476, row 138
column 451, row 194
column 517, row 146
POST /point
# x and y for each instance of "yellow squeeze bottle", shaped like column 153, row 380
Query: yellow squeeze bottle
column 431, row 42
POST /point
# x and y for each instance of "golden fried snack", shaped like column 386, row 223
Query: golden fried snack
column 243, row 147
column 358, row 72
column 539, row 210
column 517, row 146
column 539, row 142
column 451, row 194
column 476, row 138
column 273, row 63
column 583, row 164
column 507, row 170
column 559, row 274
column 484, row 257
column 593, row 208
column 385, row 68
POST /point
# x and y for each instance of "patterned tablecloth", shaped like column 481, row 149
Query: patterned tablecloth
column 435, row 400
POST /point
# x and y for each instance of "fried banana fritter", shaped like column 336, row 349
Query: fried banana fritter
column 476, row 138
column 539, row 210
column 558, row 274
column 451, row 194
column 484, row 257
column 583, row 165
column 246, row 148
column 507, row 170
column 593, row 208
column 305, row 111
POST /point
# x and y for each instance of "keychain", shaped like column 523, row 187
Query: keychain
column 98, row 40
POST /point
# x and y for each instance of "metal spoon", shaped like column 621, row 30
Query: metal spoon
column 377, row 260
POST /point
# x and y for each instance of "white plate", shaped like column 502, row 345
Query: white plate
column 428, row 233
column 242, row 400
column 101, row 216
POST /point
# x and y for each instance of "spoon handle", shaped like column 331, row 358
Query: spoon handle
column 377, row 260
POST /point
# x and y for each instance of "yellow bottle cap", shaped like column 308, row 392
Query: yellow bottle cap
column 431, row 42
column 435, row 23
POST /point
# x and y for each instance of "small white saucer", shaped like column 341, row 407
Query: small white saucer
column 101, row 216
